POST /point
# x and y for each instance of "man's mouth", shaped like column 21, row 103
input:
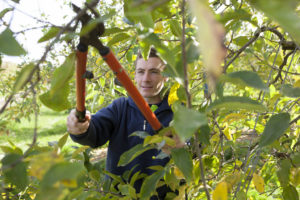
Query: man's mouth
column 146, row 87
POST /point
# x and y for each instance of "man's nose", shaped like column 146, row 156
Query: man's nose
column 146, row 76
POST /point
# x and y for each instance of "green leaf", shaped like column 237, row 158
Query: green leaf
column 153, row 107
column 57, row 100
column 127, row 190
column 63, row 140
column 290, row 91
column 245, row 78
column 95, row 175
column 283, row 173
column 9, row 45
column 204, row 134
column 140, row 134
column 115, row 177
column 57, row 97
column 63, row 74
column 236, row 103
column 283, row 12
column 4, row 11
column 59, row 172
column 241, row 195
column 118, row 38
column 90, row 26
column 192, row 51
column 145, row 49
column 51, row 33
column 239, row 14
column 149, row 184
column 114, row 30
column 132, row 153
column 183, row 160
column 290, row 193
column 182, row 115
column 275, row 127
column 296, row 159
column 146, row 20
column 22, row 77
column 175, row 28
column 241, row 40
column 16, row 171
column 79, row 151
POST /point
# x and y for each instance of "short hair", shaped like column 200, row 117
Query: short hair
column 152, row 54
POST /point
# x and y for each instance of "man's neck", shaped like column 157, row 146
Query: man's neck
column 153, row 100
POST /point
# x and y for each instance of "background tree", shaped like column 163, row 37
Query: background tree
column 235, row 67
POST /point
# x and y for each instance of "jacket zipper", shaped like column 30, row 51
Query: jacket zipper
column 144, row 127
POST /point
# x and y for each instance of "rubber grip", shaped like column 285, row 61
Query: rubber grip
column 139, row 100
column 80, row 83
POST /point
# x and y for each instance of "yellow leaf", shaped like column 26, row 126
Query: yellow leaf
column 178, row 173
column 227, row 133
column 40, row 163
column 215, row 138
column 295, row 176
column 107, row 75
column 93, row 52
column 32, row 196
column 232, row 179
column 220, row 193
column 158, row 28
column 234, row 117
column 69, row 183
column 297, row 83
column 152, row 139
column 173, row 94
column 98, row 61
column 258, row 182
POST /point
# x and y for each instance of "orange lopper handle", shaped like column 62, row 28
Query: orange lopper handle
column 80, row 84
column 122, row 76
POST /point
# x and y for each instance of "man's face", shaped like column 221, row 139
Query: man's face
column 149, row 78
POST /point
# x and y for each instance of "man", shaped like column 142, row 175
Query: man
column 121, row 118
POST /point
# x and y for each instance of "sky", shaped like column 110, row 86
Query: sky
column 22, row 18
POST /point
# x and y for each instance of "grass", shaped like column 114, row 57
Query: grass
column 51, row 127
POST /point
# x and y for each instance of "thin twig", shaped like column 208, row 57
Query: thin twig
column 295, row 120
column 256, row 35
column 281, row 67
column 275, row 68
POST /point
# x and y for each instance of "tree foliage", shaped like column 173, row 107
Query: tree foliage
column 234, row 65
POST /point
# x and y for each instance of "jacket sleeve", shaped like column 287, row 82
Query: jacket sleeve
column 102, row 126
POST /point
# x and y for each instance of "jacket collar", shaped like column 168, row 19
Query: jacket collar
column 164, row 105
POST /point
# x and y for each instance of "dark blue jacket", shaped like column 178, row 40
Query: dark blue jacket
column 115, row 123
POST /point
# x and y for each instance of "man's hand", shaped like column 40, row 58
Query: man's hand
column 74, row 126
column 178, row 143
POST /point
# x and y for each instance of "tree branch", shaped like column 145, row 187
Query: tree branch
column 281, row 67
column 295, row 120
column 256, row 35
column 286, row 45
column 48, row 49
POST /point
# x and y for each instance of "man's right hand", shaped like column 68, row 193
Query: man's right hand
column 74, row 126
